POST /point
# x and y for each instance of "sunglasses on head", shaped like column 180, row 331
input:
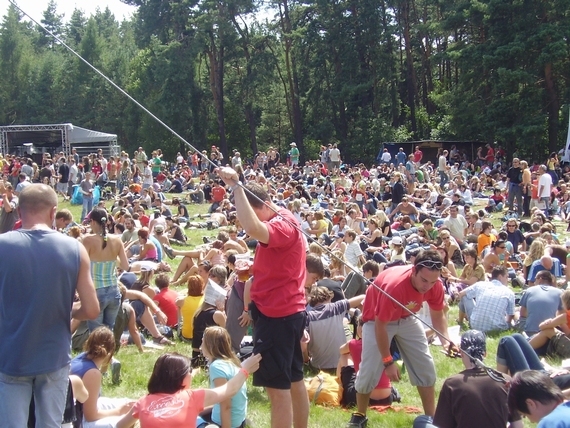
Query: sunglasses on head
column 431, row 264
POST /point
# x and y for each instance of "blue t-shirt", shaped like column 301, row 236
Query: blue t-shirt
column 223, row 369
column 536, row 267
column 38, row 278
column 401, row 158
column 541, row 303
column 558, row 418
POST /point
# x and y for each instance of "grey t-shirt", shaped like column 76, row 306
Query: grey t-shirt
column 541, row 303
column 86, row 186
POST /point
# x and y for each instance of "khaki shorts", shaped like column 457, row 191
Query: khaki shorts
column 412, row 343
column 559, row 346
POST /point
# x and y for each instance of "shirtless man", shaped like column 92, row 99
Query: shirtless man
column 405, row 208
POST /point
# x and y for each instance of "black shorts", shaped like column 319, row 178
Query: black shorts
column 278, row 340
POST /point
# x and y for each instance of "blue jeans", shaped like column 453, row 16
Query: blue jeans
column 515, row 191
column 109, row 304
column 87, row 207
column 546, row 201
column 49, row 391
column 516, row 353
column 423, row 421
column 443, row 179
column 466, row 305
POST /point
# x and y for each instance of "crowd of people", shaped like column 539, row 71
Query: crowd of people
column 364, row 254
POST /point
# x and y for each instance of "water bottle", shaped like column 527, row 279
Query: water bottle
column 115, row 371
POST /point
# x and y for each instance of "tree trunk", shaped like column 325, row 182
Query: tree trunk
column 216, row 57
column 410, row 73
column 292, row 78
column 552, row 107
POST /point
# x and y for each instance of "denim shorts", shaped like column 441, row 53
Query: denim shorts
column 109, row 304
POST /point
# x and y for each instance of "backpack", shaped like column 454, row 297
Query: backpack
column 324, row 389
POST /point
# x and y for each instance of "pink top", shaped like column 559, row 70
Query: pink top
column 170, row 410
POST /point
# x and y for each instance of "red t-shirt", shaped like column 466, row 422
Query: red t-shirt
column 490, row 156
column 166, row 299
column 170, row 410
column 396, row 281
column 278, row 287
column 145, row 220
column 218, row 193
column 418, row 155
column 355, row 347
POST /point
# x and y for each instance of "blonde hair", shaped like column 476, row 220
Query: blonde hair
column 217, row 343
column 536, row 250
column 381, row 217
column 337, row 260
column 315, row 248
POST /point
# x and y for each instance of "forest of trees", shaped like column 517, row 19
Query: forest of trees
column 352, row 72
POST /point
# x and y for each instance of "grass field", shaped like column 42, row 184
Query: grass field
column 136, row 368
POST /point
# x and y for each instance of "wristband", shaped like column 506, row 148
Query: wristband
column 245, row 372
column 245, row 309
column 387, row 359
column 235, row 186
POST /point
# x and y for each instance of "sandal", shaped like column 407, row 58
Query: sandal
column 161, row 340
column 169, row 252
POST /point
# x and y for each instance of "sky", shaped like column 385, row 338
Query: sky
column 35, row 8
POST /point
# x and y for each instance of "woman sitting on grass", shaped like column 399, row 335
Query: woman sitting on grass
column 472, row 272
column 171, row 403
column 223, row 366
column 535, row 252
column 211, row 312
column 497, row 256
column 142, row 312
column 99, row 412
column 189, row 305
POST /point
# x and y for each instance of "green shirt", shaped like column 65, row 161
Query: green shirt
column 156, row 164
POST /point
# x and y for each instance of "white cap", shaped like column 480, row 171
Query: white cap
column 397, row 240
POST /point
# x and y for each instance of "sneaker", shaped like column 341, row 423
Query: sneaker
column 169, row 251
column 357, row 421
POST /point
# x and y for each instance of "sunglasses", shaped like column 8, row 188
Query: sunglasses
column 431, row 264
column 511, row 225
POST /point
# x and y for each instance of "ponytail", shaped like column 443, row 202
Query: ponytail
column 103, row 223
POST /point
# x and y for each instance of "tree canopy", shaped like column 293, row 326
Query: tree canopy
column 246, row 74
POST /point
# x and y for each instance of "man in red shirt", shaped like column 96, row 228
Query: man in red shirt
column 385, row 319
column 166, row 299
column 218, row 195
column 418, row 155
column 277, row 300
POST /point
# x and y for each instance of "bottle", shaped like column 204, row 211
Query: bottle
column 115, row 371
